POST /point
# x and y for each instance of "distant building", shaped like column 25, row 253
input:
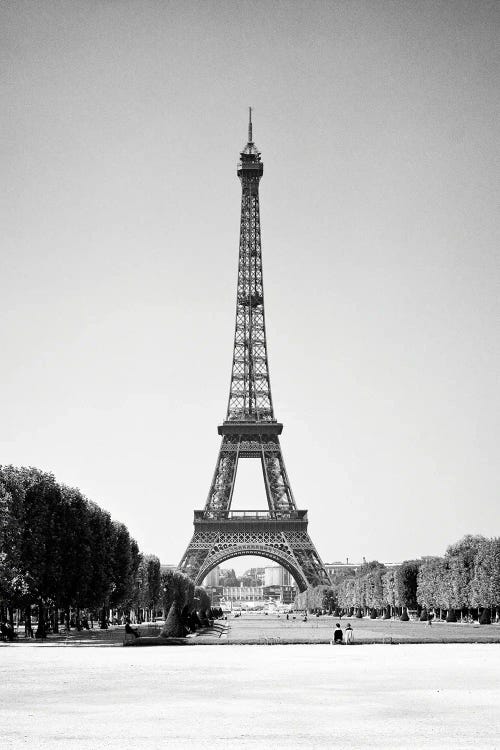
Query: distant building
column 283, row 594
column 243, row 593
column 275, row 575
column 279, row 584
column 213, row 578
column 340, row 567
column 335, row 568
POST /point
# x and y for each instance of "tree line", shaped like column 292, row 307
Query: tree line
column 463, row 583
column 66, row 559
column 63, row 554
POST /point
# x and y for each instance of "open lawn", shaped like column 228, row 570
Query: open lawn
column 251, row 628
column 299, row 696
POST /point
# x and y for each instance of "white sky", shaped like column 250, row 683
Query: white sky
column 378, row 126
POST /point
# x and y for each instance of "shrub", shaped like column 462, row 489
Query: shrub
column 201, row 605
column 387, row 613
column 450, row 617
column 404, row 615
column 178, row 597
column 485, row 618
column 359, row 614
column 424, row 615
column 373, row 614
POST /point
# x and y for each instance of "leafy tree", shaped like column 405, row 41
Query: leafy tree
column 389, row 590
column 461, row 558
column 430, row 582
column 38, row 543
column 406, row 583
column 446, row 593
column 75, row 553
column 153, row 581
column 58, row 550
column 485, row 586
column 329, row 602
column 347, row 592
column 9, row 563
column 102, row 560
column 253, row 577
column 149, row 582
column 229, row 578
column 123, row 579
column 374, row 596
column 16, row 582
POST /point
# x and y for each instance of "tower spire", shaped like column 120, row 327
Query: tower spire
column 250, row 137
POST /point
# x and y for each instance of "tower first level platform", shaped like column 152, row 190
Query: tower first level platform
column 279, row 537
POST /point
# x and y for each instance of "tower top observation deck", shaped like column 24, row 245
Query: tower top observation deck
column 250, row 165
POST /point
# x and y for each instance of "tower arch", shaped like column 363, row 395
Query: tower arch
column 278, row 556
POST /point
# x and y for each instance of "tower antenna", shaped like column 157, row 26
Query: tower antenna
column 250, row 140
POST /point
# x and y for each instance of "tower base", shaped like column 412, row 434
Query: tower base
column 283, row 539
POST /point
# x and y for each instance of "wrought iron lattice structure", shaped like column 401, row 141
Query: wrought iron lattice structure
column 250, row 429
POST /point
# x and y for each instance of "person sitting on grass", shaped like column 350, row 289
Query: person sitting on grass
column 7, row 631
column 129, row 630
column 338, row 636
column 348, row 633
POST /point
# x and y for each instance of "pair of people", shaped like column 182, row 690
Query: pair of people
column 338, row 636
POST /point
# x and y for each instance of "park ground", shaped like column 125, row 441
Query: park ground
column 244, row 696
column 257, row 628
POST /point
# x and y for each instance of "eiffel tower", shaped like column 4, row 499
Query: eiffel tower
column 250, row 430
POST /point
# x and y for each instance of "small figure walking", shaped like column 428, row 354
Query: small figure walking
column 349, row 635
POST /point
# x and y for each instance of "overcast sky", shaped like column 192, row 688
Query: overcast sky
column 378, row 125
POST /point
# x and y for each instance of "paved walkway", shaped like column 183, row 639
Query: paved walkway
column 246, row 698
column 115, row 636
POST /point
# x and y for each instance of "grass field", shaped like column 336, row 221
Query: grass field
column 298, row 696
column 256, row 627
